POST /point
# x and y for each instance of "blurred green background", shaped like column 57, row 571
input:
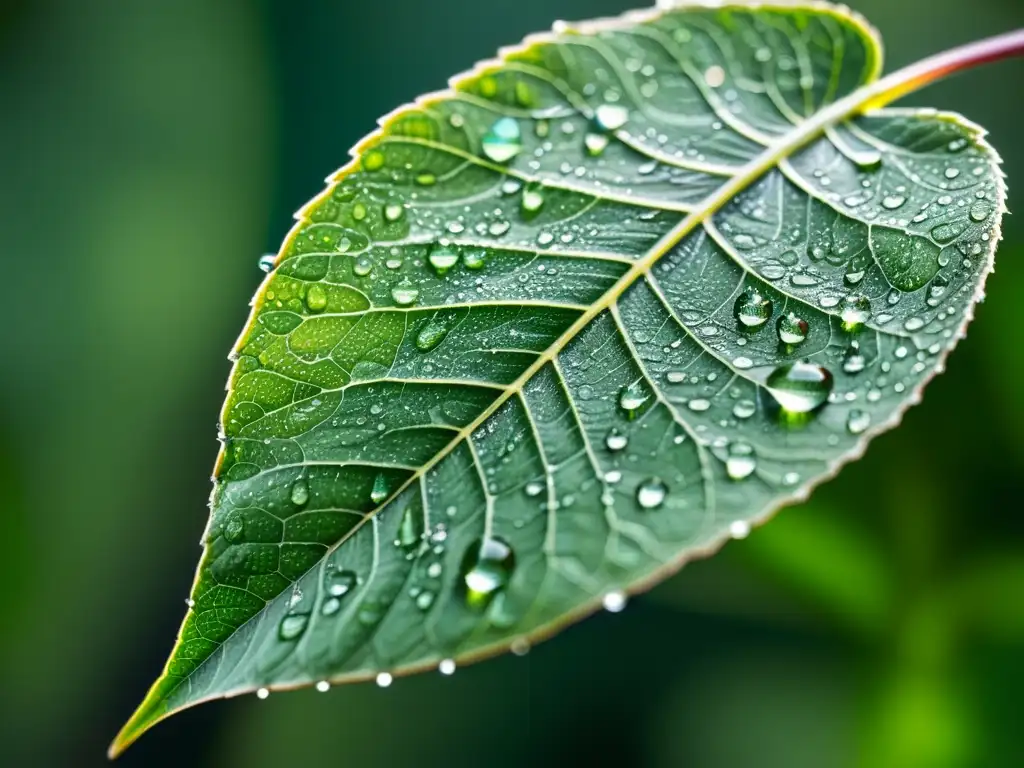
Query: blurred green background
column 151, row 151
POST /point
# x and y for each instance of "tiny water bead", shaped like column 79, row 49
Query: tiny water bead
column 262, row 693
column 339, row 583
column 857, row 421
column 323, row 686
column 503, row 141
column 614, row 602
column 292, row 626
column 405, row 293
column 752, row 309
column 741, row 461
column 596, row 143
column 791, row 329
column 486, row 570
column 739, row 529
column 632, row 399
column 651, row 493
column 615, row 440
column 855, row 312
column 800, row 387
column 442, row 258
column 266, row 262
column 446, row 667
column 394, row 211
column 384, row 679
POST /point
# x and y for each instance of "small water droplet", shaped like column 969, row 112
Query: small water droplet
column 446, row 667
column 405, row 293
column 791, row 328
column 614, row 602
column 952, row 173
column 300, row 493
column 752, row 309
column 596, row 143
column 363, row 266
column 262, row 693
column 474, row 259
column 744, row 409
column 980, row 212
column 699, row 405
column 503, row 141
column 292, row 626
column 534, row 488
column 739, row 529
column 339, row 583
column 892, row 202
column 384, row 679
column 615, row 440
column 853, row 360
column 857, row 421
column 323, row 686
column 486, row 570
column 266, row 262
column 316, row 298
column 394, row 211
column 800, row 387
column 533, row 199
column 442, row 258
column 714, row 76
column 632, row 398
column 380, row 489
column 741, row 461
column 432, row 334
column 651, row 493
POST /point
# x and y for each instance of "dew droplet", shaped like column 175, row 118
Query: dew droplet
column 752, row 308
column 234, row 528
column 533, row 199
column 741, row 461
column 316, row 298
column 300, row 493
column 614, row 602
column 980, row 212
column 534, row 488
column 853, row 360
column 266, row 262
column 632, row 398
column 384, row 679
column 739, row 529
column 410, row 529
column 446, row 667
column 503, row 141
column 714, row 76
column 405, row 293
column 610, row 117
column 474, row 259
column 892, row 202
column 292, row 626
column 380, row 490
column 262, row 693
column 615, row 440
column 744, row 409
column 651, row 493
column 363, row 266
column 339, row 583
column 857, row 421
column 442, row 258
column 596, row 143
column 394, row 211
column 855, row 312
column 791, row 328
column 800, row 387
column 323, row 686
column 486, row 570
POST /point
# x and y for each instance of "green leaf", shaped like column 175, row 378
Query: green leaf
column 602, row 305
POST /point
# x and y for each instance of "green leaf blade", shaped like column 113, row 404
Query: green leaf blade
column 501, row 372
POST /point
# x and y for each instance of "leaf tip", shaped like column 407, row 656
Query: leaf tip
column 145, row 717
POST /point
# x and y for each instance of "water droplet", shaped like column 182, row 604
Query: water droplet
column 363, row 266
column 323, row 686
column 739, row 529
column 752, row 309
column 405, row 293
column 431, row 335
column 503, row 141
column 744, row 409
column 952, row 173
column 800, row 387
column 292, row 626
column 446, row 667
column 475, row 258
column 892, row 202
column 486, row 570
column 384, row 679
column 424, row 600
column 266, row 262
column 855, row 312
column 610, row 117
column 442, row 258
column 857, row 421
column 651, row 493
column 791, row 329
column 410, row 530
column 596, row 143
column 234, row 528
column 339, row 583
column 699, row 405
column 316, row 298
column 741, row 461
column 615, row 440
column 380, row 489
column 534, row 488
column 714, row 76
column 300, row 493
column 632, row 398
column 853, row 360
column 980, row 212
column 262, row 693
column 614, row 602
column 533, row 199
column 394, row 211
column 520, row 646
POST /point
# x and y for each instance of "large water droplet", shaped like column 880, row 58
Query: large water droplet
column 800, row 387
column 442, row 258
column 431, row 335
column 855, row 312
column 503, row 141
column 316, row 298
column 651, row 493
column 632, row 398
column 610, row 117
column 791, row 328
column 486, row 570
column 410, row 530
column 292, row 626
column 339, row 583
column 405, row 293
column 752, row 308
column 741, row 461
column 380, row 490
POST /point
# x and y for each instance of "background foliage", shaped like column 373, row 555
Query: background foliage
column 151, row 151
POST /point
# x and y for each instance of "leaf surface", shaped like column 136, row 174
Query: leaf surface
column 604, row 304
